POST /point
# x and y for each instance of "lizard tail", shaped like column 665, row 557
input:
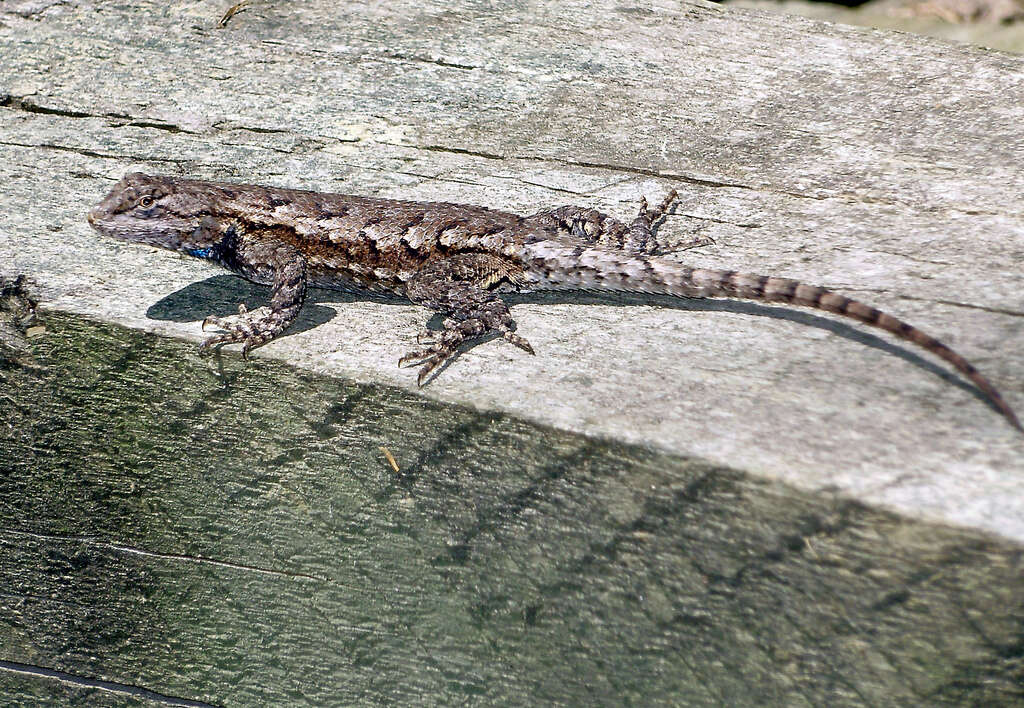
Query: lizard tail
column 602, row 269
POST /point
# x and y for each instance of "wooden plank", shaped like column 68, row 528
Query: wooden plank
column 881, row 165
column 234, row 535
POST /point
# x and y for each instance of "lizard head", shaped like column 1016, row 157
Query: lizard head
column 155, row 211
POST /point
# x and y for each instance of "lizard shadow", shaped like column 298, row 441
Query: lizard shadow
column 780, row 312
column 221, row 294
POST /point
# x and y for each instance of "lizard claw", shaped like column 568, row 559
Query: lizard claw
column 427, row 336
column 224, row 322
column 431, row 365
column 409, row 359
column 425, row 371
column 214, row 342
column 252, row 328
column 430, row 359
column 417, row 357
column 513, row 338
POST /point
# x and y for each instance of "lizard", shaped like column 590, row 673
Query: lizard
column 455, row 259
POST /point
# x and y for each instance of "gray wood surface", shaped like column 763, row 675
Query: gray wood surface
column 886, row 166
column 208, row 530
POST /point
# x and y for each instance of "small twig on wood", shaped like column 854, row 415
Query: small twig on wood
column 232, row 11
column 390, row 458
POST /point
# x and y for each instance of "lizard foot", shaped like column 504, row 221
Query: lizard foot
column 640, row 236
column 431, row 358
column 444, row 346
column 457, row 288
column 592, row 226
column 253, row 329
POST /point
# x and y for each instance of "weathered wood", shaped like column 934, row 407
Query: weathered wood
column 886, row 166
column 237, row 536
column 240, row 539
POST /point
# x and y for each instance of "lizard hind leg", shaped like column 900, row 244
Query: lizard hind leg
column 488, row 317
column 640, row 236
column 452, row 287
column 589, row 225
column 598, row 228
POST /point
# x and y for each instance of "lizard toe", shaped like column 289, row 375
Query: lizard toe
column 432, row 366
column 520, row 342
column 416, row 357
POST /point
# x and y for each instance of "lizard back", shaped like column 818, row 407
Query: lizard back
column 351, row 242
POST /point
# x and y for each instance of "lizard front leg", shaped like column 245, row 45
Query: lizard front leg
column 457, row 287
column 262, row 260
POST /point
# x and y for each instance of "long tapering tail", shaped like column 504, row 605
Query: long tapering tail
column 566, row 264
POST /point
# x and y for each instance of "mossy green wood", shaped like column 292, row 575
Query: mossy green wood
column 230, row 532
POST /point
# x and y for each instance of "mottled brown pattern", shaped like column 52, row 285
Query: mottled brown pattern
column 449, row 257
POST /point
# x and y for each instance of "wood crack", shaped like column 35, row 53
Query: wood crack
column 124, row 689
column 428, row 60
column 951, row 303
column 166, row 556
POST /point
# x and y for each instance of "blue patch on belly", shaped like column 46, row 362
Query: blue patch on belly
column 206, row 253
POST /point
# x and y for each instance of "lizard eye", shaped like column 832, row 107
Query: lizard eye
column 146, row 202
